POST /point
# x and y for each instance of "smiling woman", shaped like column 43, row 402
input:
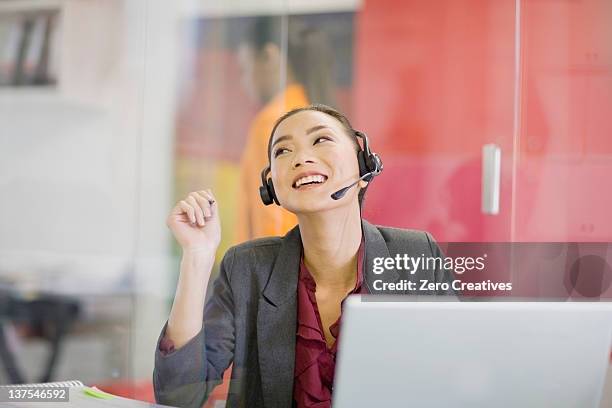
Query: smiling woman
column 276, row 305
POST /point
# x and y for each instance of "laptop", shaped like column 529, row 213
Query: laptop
column 399, row 353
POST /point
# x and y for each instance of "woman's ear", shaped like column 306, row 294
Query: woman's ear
column 363, row 183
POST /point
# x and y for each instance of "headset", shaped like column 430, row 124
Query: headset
column 370, row 166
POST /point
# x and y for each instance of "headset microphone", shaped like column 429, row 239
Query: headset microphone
column 340, row 193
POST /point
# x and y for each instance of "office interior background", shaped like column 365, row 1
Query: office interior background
column 493, row 119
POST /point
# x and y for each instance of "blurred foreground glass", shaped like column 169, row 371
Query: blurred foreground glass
column 85, row 165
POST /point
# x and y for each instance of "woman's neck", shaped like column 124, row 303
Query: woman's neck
column 331, row 240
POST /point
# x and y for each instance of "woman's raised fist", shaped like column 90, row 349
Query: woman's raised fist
column 194, row 221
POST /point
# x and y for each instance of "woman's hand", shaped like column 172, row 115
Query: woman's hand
column 194, row 221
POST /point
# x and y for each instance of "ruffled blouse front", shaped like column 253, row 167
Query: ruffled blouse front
column 315, row 362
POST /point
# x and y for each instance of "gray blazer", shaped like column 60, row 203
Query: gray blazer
column 250, row 319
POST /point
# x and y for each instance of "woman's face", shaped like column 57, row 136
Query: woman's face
column 312, row 157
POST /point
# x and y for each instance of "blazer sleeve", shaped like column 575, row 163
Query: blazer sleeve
column 186, row 376
column 441, row 274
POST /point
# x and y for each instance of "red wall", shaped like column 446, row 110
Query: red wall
column 434, row 81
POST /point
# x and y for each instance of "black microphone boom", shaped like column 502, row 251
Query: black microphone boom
column 340, row 193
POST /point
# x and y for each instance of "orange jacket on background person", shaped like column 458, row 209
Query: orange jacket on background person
column 254, row 219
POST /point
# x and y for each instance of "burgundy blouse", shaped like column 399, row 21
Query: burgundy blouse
column 315, row 362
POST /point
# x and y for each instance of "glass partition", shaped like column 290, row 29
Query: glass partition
column 490, row 118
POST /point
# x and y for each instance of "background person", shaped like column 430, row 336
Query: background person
column 307, row 64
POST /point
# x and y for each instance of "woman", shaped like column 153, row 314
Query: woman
column 275, row 308
column 281, row 80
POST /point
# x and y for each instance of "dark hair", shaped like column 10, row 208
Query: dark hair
column 331, row 112
column 308, row 53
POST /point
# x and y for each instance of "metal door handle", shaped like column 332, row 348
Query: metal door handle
column 491, row 171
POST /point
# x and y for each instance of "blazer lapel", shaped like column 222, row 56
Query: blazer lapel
column 277, row 324
column 375, row 247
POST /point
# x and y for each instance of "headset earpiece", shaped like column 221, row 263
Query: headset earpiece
column 363, row 165
column 266, row 190
column 369, row 162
